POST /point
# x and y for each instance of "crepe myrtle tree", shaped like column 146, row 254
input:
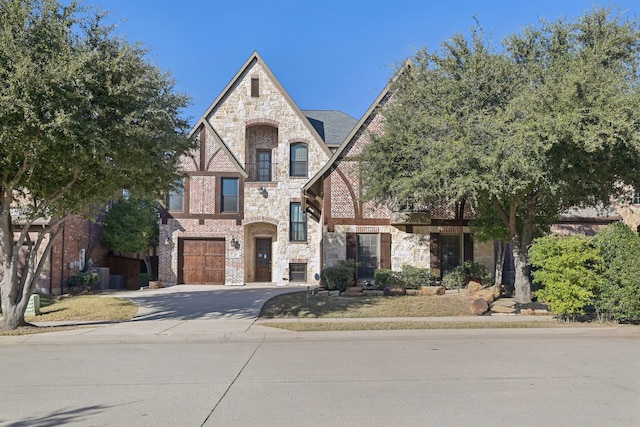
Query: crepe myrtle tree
column 83, row 115
column 544, row 122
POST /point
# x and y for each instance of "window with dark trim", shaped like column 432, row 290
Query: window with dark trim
column 175, row 198
column 367, row 256
column 451, row 252
column 298, row 272
column 264, row 165
column 229, row 195
column 299, row 159
column 636, row 197
column 297, row 223
column 255, row 87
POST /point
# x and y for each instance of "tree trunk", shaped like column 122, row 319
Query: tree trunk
column 499, row 270
column 12, row 312
column 147, row 263
column 522, row 285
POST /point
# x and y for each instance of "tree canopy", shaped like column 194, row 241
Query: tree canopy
column 546, row 121
column 83, row 115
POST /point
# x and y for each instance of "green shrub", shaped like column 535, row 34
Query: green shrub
column 384, row 277
column 340, row 276
column 144, row 279
column 455, row 279
column 568, row 270
column 414, row 277
column 618, row 295
column 87, row 279
column 477, row 271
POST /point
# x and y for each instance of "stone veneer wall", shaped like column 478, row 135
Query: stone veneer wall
column 230, row 119
column 406, row 248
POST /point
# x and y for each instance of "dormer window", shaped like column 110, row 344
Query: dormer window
column 255, row 87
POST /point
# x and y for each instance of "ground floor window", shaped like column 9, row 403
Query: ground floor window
column 298, row 272
column 367, row 255
column 450, row 252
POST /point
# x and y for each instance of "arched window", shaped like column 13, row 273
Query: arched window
column 299, row 159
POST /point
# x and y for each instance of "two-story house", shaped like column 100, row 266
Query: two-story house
column 379, row 236
column 238, row 216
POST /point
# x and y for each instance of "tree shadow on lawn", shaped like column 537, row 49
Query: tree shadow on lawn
column 217, row 303
column 301, row 305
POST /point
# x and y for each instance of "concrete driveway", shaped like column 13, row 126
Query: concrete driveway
column 179, row 313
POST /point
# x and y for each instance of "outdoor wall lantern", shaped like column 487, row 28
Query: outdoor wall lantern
column 263, row 191
column 235, row 243
column 167, row 240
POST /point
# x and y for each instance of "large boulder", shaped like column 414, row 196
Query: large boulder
column 488, row 294
column 479, row 306
column 474, row 286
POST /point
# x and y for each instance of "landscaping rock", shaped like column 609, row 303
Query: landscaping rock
column 541, row 312
column 394, row 291
column 433, row 290
column 155, row 285
column 479, row 306
column 413, row 292
column 488, row 294
column 373, row 292
column 474, row 286
column 502, row 309
column 505, row 302
column 527, row 312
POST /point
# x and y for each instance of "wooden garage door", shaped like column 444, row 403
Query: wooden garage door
column 203, row 262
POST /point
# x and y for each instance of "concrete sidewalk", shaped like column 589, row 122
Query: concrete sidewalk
column 208, row 313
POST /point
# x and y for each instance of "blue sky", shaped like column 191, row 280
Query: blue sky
column 327, row 54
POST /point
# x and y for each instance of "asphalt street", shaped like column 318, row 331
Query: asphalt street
column 196, row 357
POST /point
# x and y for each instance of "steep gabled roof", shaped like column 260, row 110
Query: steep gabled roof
column 313, row 189
column 210, row 130
column 332, row 125
column 253, row 59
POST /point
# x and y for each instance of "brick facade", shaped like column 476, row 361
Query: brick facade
column 232, row 132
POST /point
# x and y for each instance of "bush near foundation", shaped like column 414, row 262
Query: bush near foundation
column 619, row 292
column 339, row 277
column 569, row 272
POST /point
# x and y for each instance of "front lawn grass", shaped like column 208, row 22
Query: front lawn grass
column 298, row 305
column 81, row 308
column 422, row 324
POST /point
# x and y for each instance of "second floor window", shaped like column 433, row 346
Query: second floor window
column 175, row 198
column 297, row 223
column 229, row 195
column 264, row 166
column 299, row 158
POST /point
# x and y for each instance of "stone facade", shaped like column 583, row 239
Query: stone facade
column 232, row 132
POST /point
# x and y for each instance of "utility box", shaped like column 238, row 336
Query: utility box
column 33, row 306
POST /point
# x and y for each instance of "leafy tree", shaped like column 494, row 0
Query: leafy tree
column 546, row 122
column 619, row 293
column 131, row 226
column 570, row 271
column 83, row 114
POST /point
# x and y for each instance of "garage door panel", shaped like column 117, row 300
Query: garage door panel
column 203, row 261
